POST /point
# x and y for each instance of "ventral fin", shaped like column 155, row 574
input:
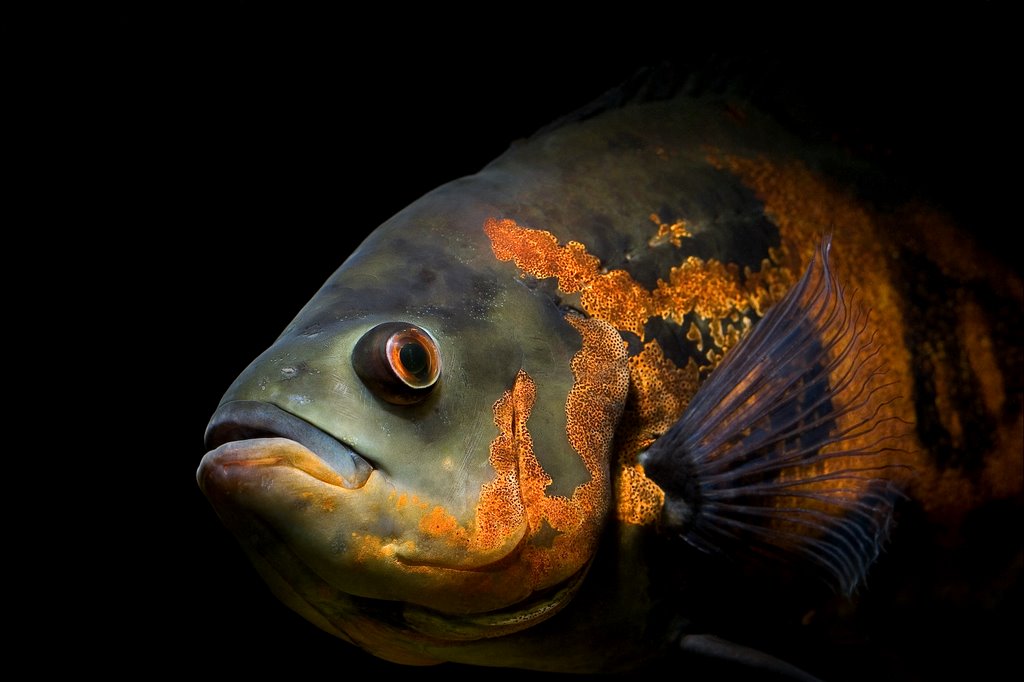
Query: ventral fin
column 789, row 450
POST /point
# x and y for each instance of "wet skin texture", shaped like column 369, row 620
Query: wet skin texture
column 314, row 635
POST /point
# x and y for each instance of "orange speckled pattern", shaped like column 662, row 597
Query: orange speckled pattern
column 673, row 233
column 866, row 257
column 441, row 523
column 514, row 507
column 592, row 411
column 592, row 416
column 803, row 206
column 713, row 290
column 503, row 501
column 659, row 391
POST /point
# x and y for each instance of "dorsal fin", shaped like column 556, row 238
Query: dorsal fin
column 767, row 82
column 667, row 79
column 649, row 83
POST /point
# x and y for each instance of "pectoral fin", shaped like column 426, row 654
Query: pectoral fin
column 789, row 449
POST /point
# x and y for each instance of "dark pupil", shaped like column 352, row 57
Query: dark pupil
column 414, row 358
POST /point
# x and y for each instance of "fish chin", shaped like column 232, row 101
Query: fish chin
column 337, row 555
column 367, row 542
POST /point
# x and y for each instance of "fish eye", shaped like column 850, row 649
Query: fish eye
column 399, row 361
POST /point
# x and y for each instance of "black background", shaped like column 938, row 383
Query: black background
column 248, row 149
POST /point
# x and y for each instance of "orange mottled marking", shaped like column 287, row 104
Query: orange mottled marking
column 325, row 502
column 772, row 281
column 540, row 539
column 366, row 547
column 658, row 395
column 440, row 523
column 539, row 253
column 671, row 233
column 710, row 289
column 592, row 409
column 502, row 509
column 617, row 298
column 803, row 204
column 659, row 391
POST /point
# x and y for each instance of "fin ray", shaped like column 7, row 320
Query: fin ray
column 775, row 453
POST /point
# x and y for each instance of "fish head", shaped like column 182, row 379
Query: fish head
column 429, row 438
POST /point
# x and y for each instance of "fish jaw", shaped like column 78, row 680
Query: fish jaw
column 246, row 481
column 373, row 541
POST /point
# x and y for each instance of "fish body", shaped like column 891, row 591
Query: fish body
column 449, row 454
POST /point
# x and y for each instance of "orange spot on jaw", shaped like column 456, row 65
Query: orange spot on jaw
column 440, row 523
column 325, row 502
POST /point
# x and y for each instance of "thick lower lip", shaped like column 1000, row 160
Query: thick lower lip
column 238, row 422
column 254, row 453
column 537, row 608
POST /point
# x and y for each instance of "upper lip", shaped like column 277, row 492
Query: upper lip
column 245, row 419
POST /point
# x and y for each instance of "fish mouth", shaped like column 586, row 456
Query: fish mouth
column 236, row 427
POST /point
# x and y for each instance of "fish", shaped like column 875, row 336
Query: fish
column 657, row 380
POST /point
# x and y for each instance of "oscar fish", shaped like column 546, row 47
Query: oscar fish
column 662, row 380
